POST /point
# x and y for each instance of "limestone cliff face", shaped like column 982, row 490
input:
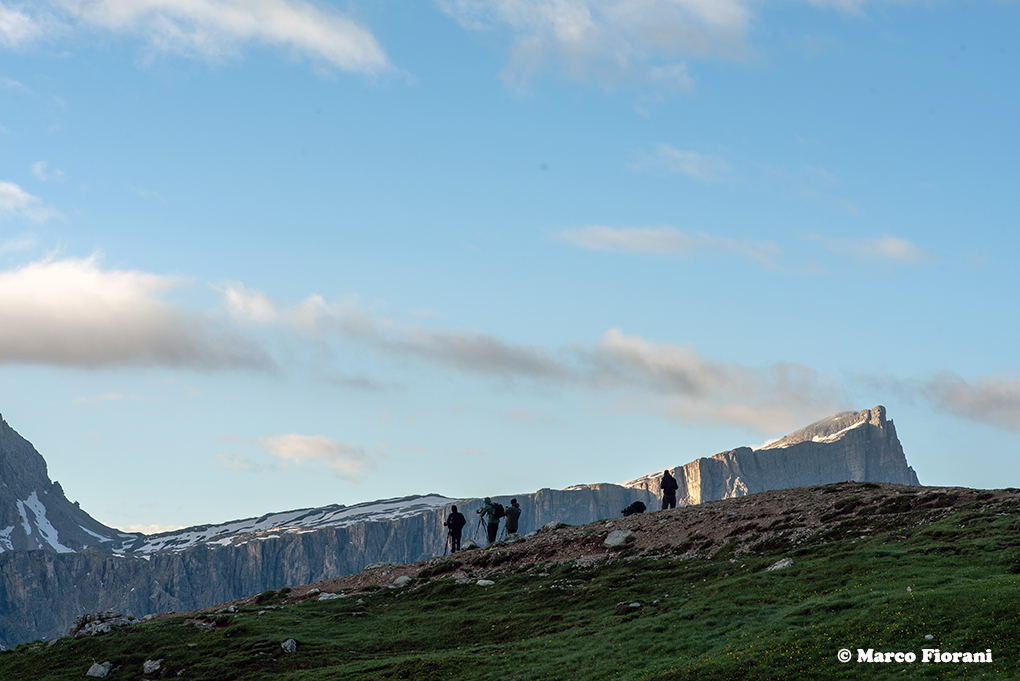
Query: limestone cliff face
column 858, row 446
column 57, row 563
column 42, row 591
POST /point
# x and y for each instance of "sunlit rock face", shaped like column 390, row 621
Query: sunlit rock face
column 859, row 446
column 57, row 563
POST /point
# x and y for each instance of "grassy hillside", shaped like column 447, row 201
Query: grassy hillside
column 708, row 609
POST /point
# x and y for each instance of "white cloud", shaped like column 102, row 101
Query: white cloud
column 883, row 248
column 994, row 400
column 641, row 41
column 217, row 29
column 17, row 202
column 668, row 241
column 40, row 170
column 346, row 461
column 667, row 158
column 70, row 312
column 18, row 28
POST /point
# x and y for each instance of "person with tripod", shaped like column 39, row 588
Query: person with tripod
column 455, row 522
column 490, row 511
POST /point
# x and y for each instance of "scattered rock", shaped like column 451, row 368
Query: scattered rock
column 151, row 666
column 552, row 525
column 232, row 608
column 780, row 564
column 330, row 597
column 403, row 580
column 98, row 623
column 617, row 537
column 289, row 646
column 469, row 544
column 485, row 582
column 376, row 565
column 928, row 637
column 626, row 607
column 312, row 592
column 99, row 671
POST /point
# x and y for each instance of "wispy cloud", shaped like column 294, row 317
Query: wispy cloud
column 238, row 464
column 111, row 397
column 610, row 41
column 994, row 400
column 346, row 461
column 148, row 194
column 15, row 201
column 16, row 245
column 218, row 29
column 668, row 241
column 10, row 83
column 667, row 158
column 657, row 377
column 214, row 30
column 18, row 28
column 882, row 248
column 677, row 382
column 71, row 312
column 41, row 171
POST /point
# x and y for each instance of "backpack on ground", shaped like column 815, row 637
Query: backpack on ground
column 634, row 508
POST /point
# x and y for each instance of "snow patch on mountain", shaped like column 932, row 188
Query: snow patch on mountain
column 274, row 525
column 46, row 531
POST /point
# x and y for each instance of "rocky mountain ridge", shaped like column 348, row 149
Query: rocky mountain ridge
column 57, row 563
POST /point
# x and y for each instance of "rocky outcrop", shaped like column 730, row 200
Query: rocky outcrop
column 858, row 446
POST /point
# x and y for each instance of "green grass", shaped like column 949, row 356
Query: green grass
column 714, row 619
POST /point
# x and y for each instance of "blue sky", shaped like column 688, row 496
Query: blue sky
column 261, row 256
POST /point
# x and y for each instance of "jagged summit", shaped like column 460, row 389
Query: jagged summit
column 850, row 445
column 34, row 513
column 832, row 428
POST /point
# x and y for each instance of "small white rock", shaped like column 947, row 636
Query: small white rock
column 289, row 646
column 485, row 582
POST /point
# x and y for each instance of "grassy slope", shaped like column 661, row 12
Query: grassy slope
column 715, row 619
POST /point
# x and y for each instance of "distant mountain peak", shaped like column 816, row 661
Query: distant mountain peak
column 831, row 428
column 34, row 513
column 850, row 445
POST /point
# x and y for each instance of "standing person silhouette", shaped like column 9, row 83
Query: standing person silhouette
column 513, row 514
column 455, row 522
column 669, row 486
